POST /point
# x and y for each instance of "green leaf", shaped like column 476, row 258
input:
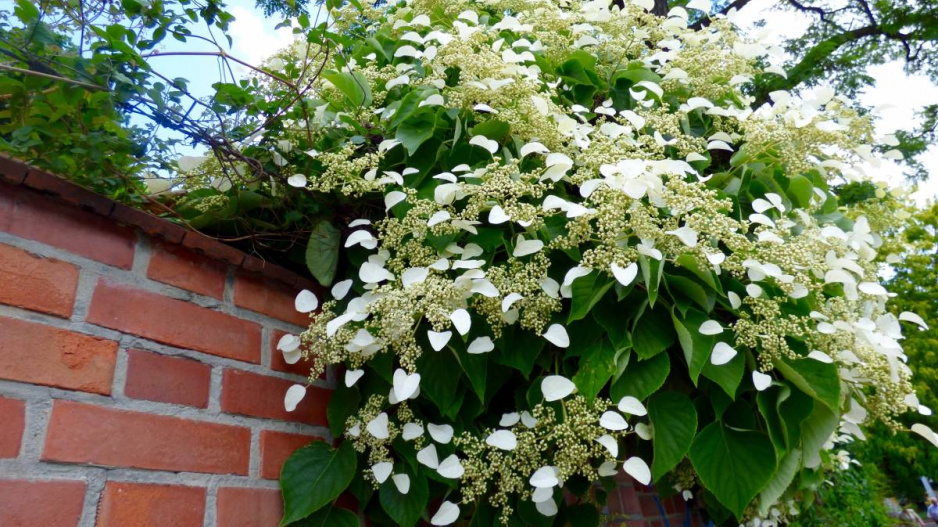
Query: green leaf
column 329, row 517
column 815, row 431
column 353, row 84
column 519, row 349
column 653, row 332
column 675, row 420
column 682, row 288
column 728, row 375
column 696, row 346
column 342, row 404
column 436, row 381
column 596, row 367
column 652, row 270
column 800, row 191
column 314, row 476
column 770, row 402
column 415, row 131
column 405, row 509
column 322, row 252
column 492, row 129
column 787, row 469
column 734, row 465
column 583, row 515
column 642, row 378
column 586, row 292
column 475, row 366
column 614, row 317
column 815, row 378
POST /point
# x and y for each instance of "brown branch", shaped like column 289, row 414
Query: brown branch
column 53, row 77
column 223, row 55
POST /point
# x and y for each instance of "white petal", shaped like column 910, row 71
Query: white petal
column 556, row 387
column 352, row 376
column 914, row 318
column 340, row 289
column 372, row 273
column 438, row 217
column 503, row 439
column 429, row 457
column 711, row 327
column 414, row 275
column 297, row 180
column 382, row 471
column 533, row 148
column 687, row 236
column 405, row 385
column 480, row 345
column 363, row 237
column 442, row 434
column 510, row 419
column 412, row 431
column 438, row 341
column 498, row 216
column 542, row 494
column 638, row 469
column 545, row 478
column 644, row 431
column 925, row 432
column 528, row 420
column 484, row 142
column 872, row 288
column 288, row 343
column 613, row 421
column 393, row 198
column 306, row 301
column 632, row 406
column 378, row 427
column 624, row 275
column 735, row 301
column 509, row 300
column 610, row 443
column 722, row 353
column 461, row 320
column 547, row 507
column 557, row 335
column 820, row 356
column 526, row 247
column 451, row 468
column 446, row 514
column 293, row 396
column 402, row 482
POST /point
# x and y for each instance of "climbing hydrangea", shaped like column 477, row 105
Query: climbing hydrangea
column 588, row 253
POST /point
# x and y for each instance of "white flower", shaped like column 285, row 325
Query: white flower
column 722, row 353
column 352, row 376
column 442, row 434
column 632, row 406
column 382, row 471
column 556, row 387
column 306, row 301
column 545, row 477
column 378, row 427
column 461, row 321
column 638, row 469
column 405, row 385
column 557, row 335
column 446, row 514
column 613, row 421
column 402, row 482
column 480, row 345
column 294, row 395
column 502, row 439
column 428, row 457
column 624, row 275
column 451, row 468
column 761, row 381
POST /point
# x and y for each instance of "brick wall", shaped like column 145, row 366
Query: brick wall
column 139, row 384
column 139, row 381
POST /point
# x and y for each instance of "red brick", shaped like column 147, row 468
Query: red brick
column 212, row 247
column 148, row 223
column 84, row 433
column 186, row 269
column 13, row 417
column 648, row 505
column 12, row 170
column 277, row 363
column 276, row 447
column 144, row 505
column 624, row 500
column 40, row 354
column 257, row 395
column 46, row 220
column 55, row 503
column 167, row 379
column 246, row 507
column 67, row 191
column 39, row 284
column 269, row 297
column 174, row 322
column 270, row 270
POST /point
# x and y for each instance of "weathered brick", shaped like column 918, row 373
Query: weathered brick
column 187, row 269
column 276, row 447
column 35, row 283
column 55, row 503
column 84, row 433
column 247, row 507
column 257, row 395
column 47, row 220
column 40, row 354
column 148, row 223
column 269, row 297
column 212, row 247
column 166, row 379
column 174, row 322
column 69, row 192
column 125, row 504
column 13, row 419
column 12, row 170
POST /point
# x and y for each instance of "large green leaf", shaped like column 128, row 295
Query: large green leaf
column 815, row 378
column 652, row 271
column 519, row 349
column 734, row 465
column 314, row 476
column 653, row 332
column 596, row 367
column 342, row 404
column 642, row 378
column 787, row 470
column 353, row 85
column 696, row 346
column 416, row 130
column 587, row 291
column 675, row 420
column 322, row 252
column 436, row 381
column 329, row 517
column 405, row 509
column 728, row 375
column 800, row 191
column 815, row 431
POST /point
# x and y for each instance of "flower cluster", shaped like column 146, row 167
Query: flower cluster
column 576, row 205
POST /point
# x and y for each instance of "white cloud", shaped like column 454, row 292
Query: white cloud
column 254, row 37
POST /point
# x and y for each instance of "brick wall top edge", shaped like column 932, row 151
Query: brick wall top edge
column 18, row 173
